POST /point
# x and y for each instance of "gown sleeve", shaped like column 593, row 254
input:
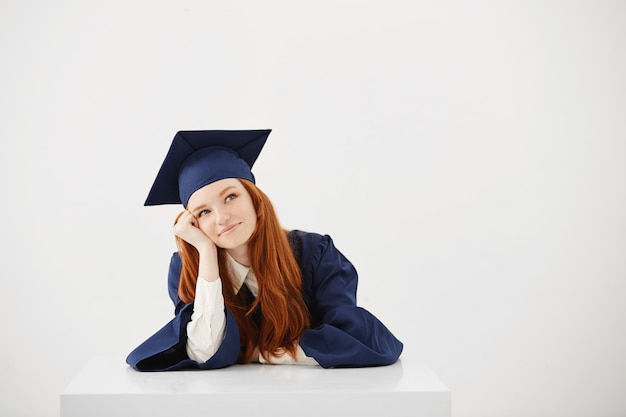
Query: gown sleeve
column 342, row 334
column 166, row 349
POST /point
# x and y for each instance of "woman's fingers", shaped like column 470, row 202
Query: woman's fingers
column 186, row 228
column 184, row 222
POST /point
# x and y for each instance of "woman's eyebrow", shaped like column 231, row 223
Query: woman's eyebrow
column 198, row 208
column 227, row 189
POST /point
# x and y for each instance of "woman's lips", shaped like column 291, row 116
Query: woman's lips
column 229, row 228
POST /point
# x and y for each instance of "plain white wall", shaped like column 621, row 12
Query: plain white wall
column 468, row 157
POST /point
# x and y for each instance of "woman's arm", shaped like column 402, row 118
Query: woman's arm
column 343, row 334
column 206, row 329
column 172, row 347
column 166, row 349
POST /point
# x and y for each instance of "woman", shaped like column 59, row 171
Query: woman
column 244, row 289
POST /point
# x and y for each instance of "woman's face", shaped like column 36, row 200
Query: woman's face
column 225, row 213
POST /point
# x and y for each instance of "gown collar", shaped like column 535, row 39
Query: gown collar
column 242, row 274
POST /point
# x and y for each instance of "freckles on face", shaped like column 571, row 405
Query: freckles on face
column 225, row 212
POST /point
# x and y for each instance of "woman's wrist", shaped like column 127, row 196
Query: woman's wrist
column 207, row 266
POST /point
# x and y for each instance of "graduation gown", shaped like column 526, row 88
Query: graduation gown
column 341, row 334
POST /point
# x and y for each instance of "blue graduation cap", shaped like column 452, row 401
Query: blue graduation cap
column 200, row 157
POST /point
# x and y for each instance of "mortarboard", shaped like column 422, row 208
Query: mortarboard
column 200, row 157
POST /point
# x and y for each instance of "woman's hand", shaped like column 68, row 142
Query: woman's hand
column 186, row 228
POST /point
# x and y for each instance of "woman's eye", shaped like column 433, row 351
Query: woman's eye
column 231, row 197
column 203, row 213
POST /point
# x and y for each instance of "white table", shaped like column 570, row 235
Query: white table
column 108, row 387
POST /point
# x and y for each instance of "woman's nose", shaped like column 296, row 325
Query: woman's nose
column 222, row 217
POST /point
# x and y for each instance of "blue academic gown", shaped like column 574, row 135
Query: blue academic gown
column 341, row 334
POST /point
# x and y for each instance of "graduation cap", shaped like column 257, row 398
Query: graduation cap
column 200, row 157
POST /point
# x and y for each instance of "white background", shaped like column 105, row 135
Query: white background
column 468, row 157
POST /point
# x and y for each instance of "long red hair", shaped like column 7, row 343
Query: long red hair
column 284, row 314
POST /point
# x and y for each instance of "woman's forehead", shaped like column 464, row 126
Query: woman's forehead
column 215, row 190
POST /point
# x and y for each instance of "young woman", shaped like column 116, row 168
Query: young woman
column 244, row 289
